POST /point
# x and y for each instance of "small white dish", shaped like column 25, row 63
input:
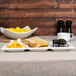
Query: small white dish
column 15, row 35
column 39, row 49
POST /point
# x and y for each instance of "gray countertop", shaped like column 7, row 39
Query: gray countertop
column 38, row 63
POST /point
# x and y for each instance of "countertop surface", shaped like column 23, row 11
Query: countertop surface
column 38, row 56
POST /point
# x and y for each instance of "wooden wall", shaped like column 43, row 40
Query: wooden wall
column 37, row 13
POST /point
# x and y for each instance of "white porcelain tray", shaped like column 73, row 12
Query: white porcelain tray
column 39, row 49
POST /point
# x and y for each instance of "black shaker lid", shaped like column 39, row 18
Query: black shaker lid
column 60, row 22
column 68, row 22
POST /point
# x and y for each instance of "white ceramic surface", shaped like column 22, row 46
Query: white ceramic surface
column 66, row 36
column 40, row 49
column 15, row 35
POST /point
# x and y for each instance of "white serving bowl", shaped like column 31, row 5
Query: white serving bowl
column 15, row 35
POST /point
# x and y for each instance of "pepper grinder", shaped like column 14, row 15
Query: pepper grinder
column 60, row 26
column 68, row 26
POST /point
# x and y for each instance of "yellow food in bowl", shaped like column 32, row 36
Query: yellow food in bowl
column 19, row 30
column 16, row 44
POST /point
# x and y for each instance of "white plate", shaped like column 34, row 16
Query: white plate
column 39, row 49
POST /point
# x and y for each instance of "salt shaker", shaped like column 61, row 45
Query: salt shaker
column 68, row 26
column 60, row 26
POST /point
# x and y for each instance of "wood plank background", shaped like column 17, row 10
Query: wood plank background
column 37, row 13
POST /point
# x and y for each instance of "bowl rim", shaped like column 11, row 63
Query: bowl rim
column 21, row 33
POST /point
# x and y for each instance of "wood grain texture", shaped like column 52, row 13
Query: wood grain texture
column 43, row 14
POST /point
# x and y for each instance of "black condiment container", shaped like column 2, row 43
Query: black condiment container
column 62, row 43
column 55, row 43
